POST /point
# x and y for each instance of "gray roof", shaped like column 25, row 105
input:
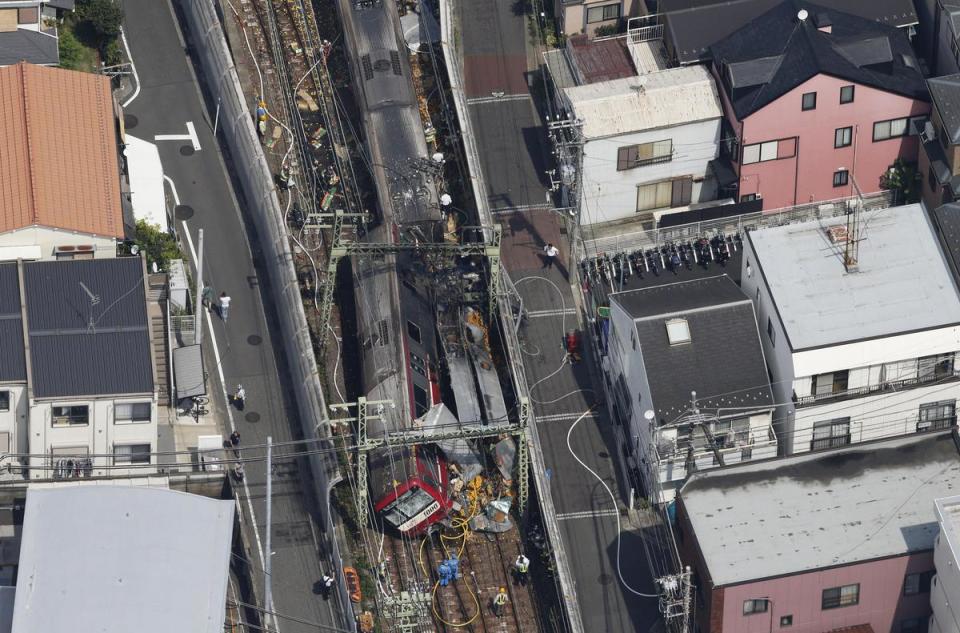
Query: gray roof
column 945, row 92
column 723, row 355
column 77, row 349
column 30, row 46
column 693, row 26
column 12, row 365
column 561, row 71
column 903, row 284
column 817, row 510
column 136, row 559
column 946, row 221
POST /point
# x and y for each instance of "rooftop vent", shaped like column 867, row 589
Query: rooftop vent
column 678, row 331
column 838, row 234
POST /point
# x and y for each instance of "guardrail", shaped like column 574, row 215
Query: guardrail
column 210, row 50
column 448, row 42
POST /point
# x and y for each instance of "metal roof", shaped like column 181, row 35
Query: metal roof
column 657, row 100
column 817, row 510
column 12, row 363
column 79, row 346
column 945, row 92
column 59, row 143
column 188, row 372
column 116, row 559
column 903, row 283
column 722, row 325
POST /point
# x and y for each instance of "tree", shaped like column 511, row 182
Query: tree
column 103, row 16
column 158, row 245
column 71, row 51
column 902, row 179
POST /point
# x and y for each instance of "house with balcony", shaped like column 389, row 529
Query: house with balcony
column 688, row 380
column 586, row 16
column 861, row 335
column 840, row 541
column 818, row 104
column 78, row 373
column 63, row 176
column 28, row 31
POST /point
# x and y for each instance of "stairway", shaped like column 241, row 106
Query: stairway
column 157, row 311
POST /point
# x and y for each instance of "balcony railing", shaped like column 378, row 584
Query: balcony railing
column 893, row 385
column 679, row 457
column 829, row 442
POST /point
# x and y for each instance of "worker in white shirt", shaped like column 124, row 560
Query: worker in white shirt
column 500, row 601
column 224, row 306
column 550, row 253
column 521, row 567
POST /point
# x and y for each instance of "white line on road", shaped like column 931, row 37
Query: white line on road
column 587, row 514
column 496, row 98
column 540, row 206
column 547, row 313
column 191, row 136
column 133, row 70
column 223, row 384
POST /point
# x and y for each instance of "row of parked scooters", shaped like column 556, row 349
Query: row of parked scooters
column 671, row 257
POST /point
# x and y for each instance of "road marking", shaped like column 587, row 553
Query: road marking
column 191, row 136
column 587, row 514
column 223, row 384
column 560, row 417
column 498, row 97
column 133, row 70
column 540, row 206
column 548, row 313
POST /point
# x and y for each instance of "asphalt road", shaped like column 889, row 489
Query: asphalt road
column 609, row 565
column 241, row 348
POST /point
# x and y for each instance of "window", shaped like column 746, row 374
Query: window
column 828, row 384
column 413, row 331
column 786, row 620
column 71, row 415
column 846, row 94
column 844, row 596
column 914, row 625
column 830, row 434
column 894, row 128
column 770, row 333
column 917, row 583
column 750, row 197
column 603, row 13
column 4, row 400
column 758, row 605
column 843, row 137
column 131, row 454
column 769, row 150
column 678, row 331
column 131, row 412
column 840, row 178
column 421, row 400
column 937, row 415
column 645, row 154
column 664, row 194
column 935, row 367
column 809, row 101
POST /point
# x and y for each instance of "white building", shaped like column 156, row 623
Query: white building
column 667, row 341
column 857, row 355
column 648, row 141
column 78, row 389
column 945, row 586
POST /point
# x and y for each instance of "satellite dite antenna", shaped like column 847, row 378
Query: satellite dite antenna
column 94, row 300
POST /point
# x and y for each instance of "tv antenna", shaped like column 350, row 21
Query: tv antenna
column 94, row 300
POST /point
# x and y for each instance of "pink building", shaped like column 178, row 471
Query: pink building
column 817, row 104
column 840, row 540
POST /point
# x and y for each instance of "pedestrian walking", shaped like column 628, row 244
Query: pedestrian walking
column 206, row 296
column 224, row 306
column 326, row 586
column 521, row 566
column 499, row 602
column 240, row 397
column 550, row 254
column 235, row 442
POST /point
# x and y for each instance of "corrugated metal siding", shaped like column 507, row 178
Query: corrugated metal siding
column 12, row 363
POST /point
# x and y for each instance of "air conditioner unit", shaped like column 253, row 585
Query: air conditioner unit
column 929, row 132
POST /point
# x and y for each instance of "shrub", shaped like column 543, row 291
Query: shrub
column 157, row 245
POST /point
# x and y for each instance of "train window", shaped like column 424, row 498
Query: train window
column 413, row 331
column 407, row 507
column 421, row 400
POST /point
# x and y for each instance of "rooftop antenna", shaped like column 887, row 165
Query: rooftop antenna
column 94, row 300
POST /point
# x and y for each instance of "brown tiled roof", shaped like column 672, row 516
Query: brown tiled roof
column 58, row 151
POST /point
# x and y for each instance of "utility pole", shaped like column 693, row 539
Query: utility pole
column 567, row 138
column 197, row 321
column 268, row 555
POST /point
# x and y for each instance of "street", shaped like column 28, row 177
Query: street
column 240, row 350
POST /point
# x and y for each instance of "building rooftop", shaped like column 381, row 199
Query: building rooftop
column 13, row 367
column 693, row 26
column 776, row 52
column 818, row 510
column 59, row 141
column 599, row 60
column 948, row 514
column 658, row 100
column 82, row 347
column 903, row 284
column 946, row 223
column 116, row 559
column 29, row 46
column 721, row 324
column 945, row 93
